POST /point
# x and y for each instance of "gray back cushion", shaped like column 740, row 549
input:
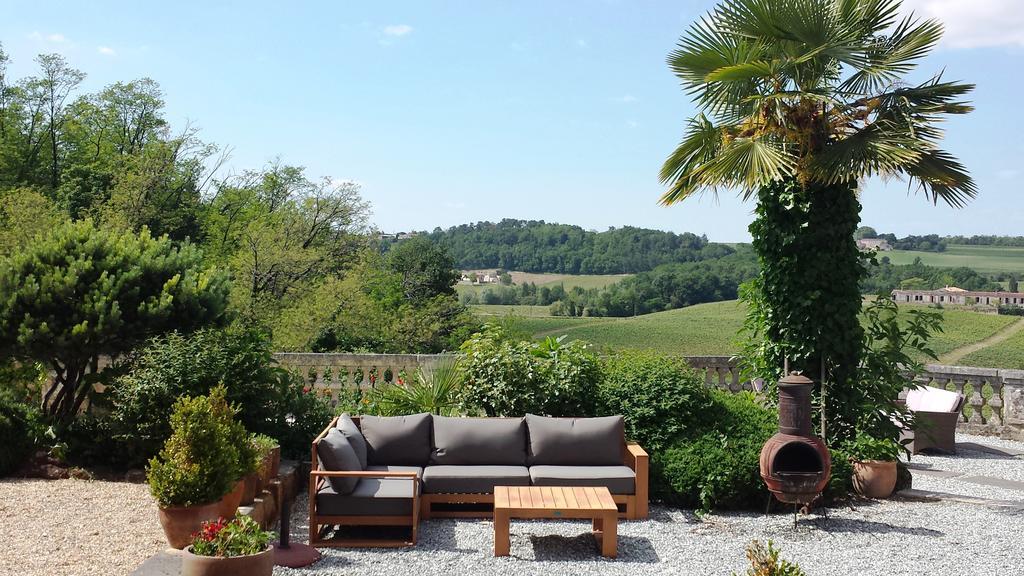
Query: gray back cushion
column 351, row 432
column 336, row 454
column 397, row 440
column 479, row 441
column 575, row 441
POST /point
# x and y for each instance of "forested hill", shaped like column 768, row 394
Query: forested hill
column 538, row 246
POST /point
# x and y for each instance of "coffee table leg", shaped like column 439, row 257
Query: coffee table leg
column 598, row 525
column 609, row 536
column 501, row 533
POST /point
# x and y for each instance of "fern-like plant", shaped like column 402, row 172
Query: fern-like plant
column 437, row 390
column 764, row 561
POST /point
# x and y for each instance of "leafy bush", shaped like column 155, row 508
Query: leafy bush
column 505, row 377
column 241, row 536
column 437, row 390
column 271, row 400
column 661, row 397
column 716, row 464
column 21, row 429
column 764, row 561
column 83, row 292
column 199, row 461
column 866, row 447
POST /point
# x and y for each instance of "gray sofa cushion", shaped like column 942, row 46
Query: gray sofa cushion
column 617, row 479
column 372, row 497
column 397, row 440
column 472, row 479
column 479, row 441
column 336, row 454
column 416, row 469
column 354, row 437
column 575, row 441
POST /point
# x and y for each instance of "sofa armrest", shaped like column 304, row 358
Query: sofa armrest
column 318, row 476
column 637, row 459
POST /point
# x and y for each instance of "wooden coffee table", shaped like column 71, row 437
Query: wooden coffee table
column 556, row 502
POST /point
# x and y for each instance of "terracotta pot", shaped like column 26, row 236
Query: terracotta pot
column 874, row 478
column 275, row 462
column 261, row 564
column 250, row 491
column 265, row 469
column 180, row 523
column 229, row 503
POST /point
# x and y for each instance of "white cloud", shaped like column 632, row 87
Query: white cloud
column 54, row 38
column 974, row 23
column 397, row 30
column 107, row 51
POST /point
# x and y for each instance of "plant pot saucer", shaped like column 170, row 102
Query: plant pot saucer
column 296, row 555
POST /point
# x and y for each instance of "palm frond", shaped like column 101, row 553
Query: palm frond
column 700, row 144
column 943, row 177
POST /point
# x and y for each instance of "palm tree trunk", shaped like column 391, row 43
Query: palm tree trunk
column 810, row 275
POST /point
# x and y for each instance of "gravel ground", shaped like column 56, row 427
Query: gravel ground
column 894, row 538
column 978, row 463
column 76, row 527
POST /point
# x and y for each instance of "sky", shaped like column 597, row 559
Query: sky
column 454, row 112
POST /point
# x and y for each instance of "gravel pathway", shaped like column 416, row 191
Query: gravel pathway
column 972, row 462
column 894, row 538
column 76, row 527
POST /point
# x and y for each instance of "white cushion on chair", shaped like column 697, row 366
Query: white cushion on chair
column 929, row 399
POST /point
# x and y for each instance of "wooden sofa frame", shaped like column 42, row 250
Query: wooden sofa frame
column 632, row 506
column 319, row 523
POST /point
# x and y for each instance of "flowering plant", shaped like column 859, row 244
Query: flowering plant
column 241, row 536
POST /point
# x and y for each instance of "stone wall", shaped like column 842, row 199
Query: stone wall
column 994, row 405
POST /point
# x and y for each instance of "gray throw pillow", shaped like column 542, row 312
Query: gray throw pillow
column 336, row 454
column 347, row 427
column 397, row 440
column 576, row 441
column 479, row 441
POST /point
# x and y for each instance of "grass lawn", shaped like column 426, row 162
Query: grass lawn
column 1006, row 354
column 985, row 259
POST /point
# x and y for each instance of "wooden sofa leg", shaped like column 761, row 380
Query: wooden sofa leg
column 424, row 508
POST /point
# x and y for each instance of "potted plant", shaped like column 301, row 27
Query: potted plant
column 238, row 547
column 195, row 468
column 253, row 480
column 247, row 463
column 270, row 456
column 874, row 465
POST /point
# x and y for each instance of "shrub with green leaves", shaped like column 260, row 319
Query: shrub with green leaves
column 506, row 377
column 271, row 400
column 21, row 429
column 765, row 561
column 660, row 397
column 715, row 465
column 199, row 461
column 436, row 389
column 82, row 292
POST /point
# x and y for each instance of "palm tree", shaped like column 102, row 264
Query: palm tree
column 800, row 100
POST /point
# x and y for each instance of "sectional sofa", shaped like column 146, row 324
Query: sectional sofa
column 392, row 471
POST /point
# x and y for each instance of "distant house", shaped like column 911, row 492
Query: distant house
column 879, row 244
column 954, row 295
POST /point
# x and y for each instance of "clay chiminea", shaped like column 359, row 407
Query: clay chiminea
column 795, row 464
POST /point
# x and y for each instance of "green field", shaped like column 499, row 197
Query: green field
column 711, row 329
column 984, row 259
column 487, row 310
column 585, row 281
column 1006, row 354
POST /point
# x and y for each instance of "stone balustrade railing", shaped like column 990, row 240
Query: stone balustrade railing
column 994, row 398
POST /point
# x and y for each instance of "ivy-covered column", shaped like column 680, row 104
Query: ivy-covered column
column 806, row 302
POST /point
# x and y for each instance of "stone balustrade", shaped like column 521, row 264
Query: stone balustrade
column 994, row 398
